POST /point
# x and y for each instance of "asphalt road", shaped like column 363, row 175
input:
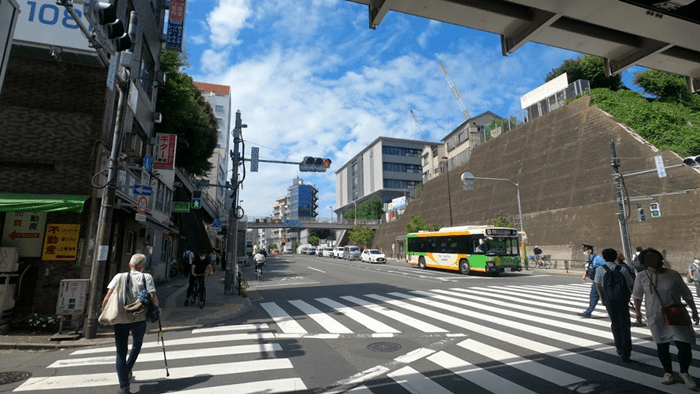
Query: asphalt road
column 321, row 325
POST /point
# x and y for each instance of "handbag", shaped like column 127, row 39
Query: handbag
column 675, row 314
column 137, row 309
column 113, row 311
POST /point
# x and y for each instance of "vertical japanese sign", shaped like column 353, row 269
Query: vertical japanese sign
column 176, row 25
column 24, row 230
column 166, row 145
column 72, row 296
column 61, row 242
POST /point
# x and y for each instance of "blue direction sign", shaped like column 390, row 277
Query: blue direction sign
column 216, row 223
column 148, row 163
column 142, row 190
column 292, row 223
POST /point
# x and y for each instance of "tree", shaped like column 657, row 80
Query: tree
column 295, row 246
column 591, row 68
column 417, row 224
column 502, row 220
column 362, row 236
column 370, row 209
column 273, row 247
column 186, row 114
column 313, row 240
column 321, row 233
column 667, row 87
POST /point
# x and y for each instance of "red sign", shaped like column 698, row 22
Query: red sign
column 166, row 146
column 142, row 205
column 15, row 235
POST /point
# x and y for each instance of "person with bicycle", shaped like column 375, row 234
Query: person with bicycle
column 259, row 259
column 200, row 266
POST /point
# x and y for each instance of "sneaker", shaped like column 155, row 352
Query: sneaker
column 584, row 314
column 689, row 382
column 124, row 390
column 625, row 359
column 668, row 379
column 187, row 301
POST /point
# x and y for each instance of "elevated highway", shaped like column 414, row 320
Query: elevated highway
column 318, row 223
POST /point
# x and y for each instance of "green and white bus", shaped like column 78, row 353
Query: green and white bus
column 465, row 249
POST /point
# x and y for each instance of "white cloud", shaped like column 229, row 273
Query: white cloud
column 429, row 32
column 226, row 21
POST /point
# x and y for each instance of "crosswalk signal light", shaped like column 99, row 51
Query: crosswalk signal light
column 110, row 30
column 655, row 210
column 640, row 214
column 692, row 161
column 196, row 199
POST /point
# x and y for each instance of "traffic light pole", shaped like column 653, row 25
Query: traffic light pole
column 232, row 236
column 622, row 216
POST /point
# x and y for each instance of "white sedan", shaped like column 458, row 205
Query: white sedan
column 372, row 256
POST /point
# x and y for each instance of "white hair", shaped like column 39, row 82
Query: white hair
column 137, row 260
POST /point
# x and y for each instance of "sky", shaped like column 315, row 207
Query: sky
column 311, row 79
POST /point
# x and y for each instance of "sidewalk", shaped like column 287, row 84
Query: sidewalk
column 174, row 315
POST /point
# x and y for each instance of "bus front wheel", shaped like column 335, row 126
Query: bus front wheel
column 421, row 262
column 464, row 267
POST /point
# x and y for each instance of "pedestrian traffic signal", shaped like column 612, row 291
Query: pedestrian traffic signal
column 640, row 215
column 109, row 29
column 692, row 161
column 196, row 199
column 314, row 164
column 655, row 210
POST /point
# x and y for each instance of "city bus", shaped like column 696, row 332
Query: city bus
column 465, row 249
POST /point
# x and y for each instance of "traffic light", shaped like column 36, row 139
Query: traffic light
column 655, row 210
column 692, row 161
column 640, row 214
column 109, row 29
column 314, row 164
column 196, row 199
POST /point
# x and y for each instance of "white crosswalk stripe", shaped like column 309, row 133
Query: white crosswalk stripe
column 534, row 331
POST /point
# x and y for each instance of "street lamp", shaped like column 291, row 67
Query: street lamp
column 449, row 197
column 331, row 208
column 353, row 201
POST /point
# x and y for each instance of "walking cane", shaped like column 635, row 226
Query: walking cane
column 160, row 328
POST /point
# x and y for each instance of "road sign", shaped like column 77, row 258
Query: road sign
column 142, row 204
column 216, row 223
column 142, row 190
column 140, row 217
column 148, row 163
column 181, row 206
column 254, row 158
column 660, row 168
column 292, row 223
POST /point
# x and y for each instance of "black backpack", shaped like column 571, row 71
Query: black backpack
column 615, row 287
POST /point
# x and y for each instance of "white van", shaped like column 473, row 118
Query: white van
column 352, row 252
column 339, row 252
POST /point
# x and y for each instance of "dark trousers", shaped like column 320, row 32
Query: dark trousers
column 697, row 287
column 121, row 339
column 594, row 299
column 685, row 356
column 619, row 313
column 190, row 286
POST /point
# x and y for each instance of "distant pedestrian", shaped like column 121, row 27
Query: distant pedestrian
column 187, row 260
column 131, row 287
column 614, row 285
column 593, row 261
column 636, row 265
column 660, row 287
column 694, row 274
column 212, row 260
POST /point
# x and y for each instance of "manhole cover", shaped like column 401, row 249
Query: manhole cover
column 11, row 377
column 384, row 347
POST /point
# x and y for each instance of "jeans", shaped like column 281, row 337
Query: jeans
column 594, row 299
column 619, row 313
column 121, row 339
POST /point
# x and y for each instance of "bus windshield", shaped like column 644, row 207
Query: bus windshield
column 500, row 246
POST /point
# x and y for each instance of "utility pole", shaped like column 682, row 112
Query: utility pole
column 622, row 216
column 232, row 238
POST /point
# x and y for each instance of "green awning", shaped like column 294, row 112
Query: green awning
column 26, row 202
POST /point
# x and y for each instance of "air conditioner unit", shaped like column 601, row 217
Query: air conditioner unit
column 9, row 259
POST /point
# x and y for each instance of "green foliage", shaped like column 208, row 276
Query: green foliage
column 273, row 247
column 295, row 246
column 507, row 124
column 370, row 209
column 417, row 224
column 591, row 68
column 313, row 240
column 361, row 236
column 667, row 87
column 666, row 125
column 502, row 220
column 321, row 233
column 187, row 114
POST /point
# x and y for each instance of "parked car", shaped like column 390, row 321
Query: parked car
column 372, row 256
column 339, row 252
column 351, row 253
column 328, row 252
column 311, row 251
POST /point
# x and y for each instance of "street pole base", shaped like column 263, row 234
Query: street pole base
column 228, row 283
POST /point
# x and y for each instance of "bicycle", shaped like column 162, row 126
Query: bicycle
column 199, row 291
column 258, row 272
column 538, row 263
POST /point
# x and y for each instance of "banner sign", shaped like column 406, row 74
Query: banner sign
column 166, row 145
column 61, row 242
column 176, row 25
column 72, row 296
column 24, row 230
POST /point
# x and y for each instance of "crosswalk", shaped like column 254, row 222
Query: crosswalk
column 515, row 339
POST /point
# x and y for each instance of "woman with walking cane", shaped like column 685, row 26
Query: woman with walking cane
column 123, row 308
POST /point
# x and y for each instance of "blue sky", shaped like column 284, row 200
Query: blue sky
column 311, row 79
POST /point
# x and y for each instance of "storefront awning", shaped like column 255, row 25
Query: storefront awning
column 21, row 202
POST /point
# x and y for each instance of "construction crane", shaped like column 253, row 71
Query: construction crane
column 418, row 126
column 455, row 92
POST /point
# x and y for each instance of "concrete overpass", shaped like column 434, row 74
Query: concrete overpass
column 343, row 224
column 658, row 34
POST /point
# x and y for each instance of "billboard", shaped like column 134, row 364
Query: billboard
column 44, row 23
column 9, row 10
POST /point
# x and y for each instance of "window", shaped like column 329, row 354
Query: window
column 462, row 137
column 354, row 169
column 219, row 108
column 396, row 167
column 426, row 159
column 395, row 151
column 147, row 69
column 130, row 242
column 219, row 122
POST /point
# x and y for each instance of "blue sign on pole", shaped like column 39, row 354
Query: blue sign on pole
column 292, row 223
column 148, row 163
column 216, row 223
column 142, row 190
